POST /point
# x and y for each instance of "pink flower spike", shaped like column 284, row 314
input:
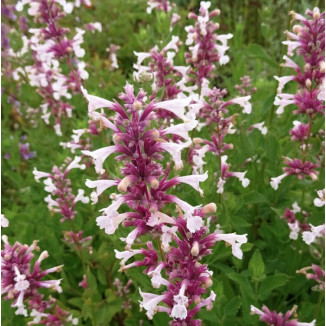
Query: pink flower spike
column 100, row 185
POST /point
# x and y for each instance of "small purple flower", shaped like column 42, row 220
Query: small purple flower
column 24, row 152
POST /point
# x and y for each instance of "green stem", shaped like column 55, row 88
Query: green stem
column 320, row 299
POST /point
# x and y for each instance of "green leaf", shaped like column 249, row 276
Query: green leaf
column 256, row 51
column 256, row 266
column 270, row 283
column 77, row 302
column 232, row 307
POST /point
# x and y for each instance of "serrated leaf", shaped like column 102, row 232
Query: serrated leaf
column 256, row 266
column 271, row 283
column 232, row 307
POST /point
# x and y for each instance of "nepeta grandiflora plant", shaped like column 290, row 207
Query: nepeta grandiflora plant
column 308, row 42
column 51, row 49
column 21, row 281
column 273, row 318
column 144, row 188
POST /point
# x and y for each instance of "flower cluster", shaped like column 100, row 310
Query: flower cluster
column 58, row 184
column 275, row 319
column 215, row 111
column 161, row 69
column 50, row 46
column 144, row 189
column 208, row 47
column 21, row 282
column 308, row 40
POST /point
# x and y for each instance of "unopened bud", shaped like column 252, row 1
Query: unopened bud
column 215, row 12
column 137, row 105
column 209, row 208
column 59, row 268
column 306, row 67
column 154, row 183
column 316, row 14
column 322, row 66
column 195, row 249
column 197, row 299
column 192, row 15
column 313, row 176
column 70, row 49
column 124, row 184
column 208, row 283
column 308, row 83
column 197, row 140
column 155, row 134
column 43, row 255
column 296, row 29
column 7, row 256
column 116, row 138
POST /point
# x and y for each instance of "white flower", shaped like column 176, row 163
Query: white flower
column 150, row 302
column 175, row 151
column 125, row 255
column 320, row 202
column 181, row 129
column 110, row 222
column 220, row 185
column 316, row 232
column 81, row 197
column 49, row 185
column 283, row 100
column 158, row 218
column 157, row 280
column 296, row 208
column 179, row 310
column 166, row 236
column 295, row 229
column 131, row 237
column 194, row 223
column 173, row 44
column 289, row 63
column 241, row 176
column 261, row 127
column 176, row 106
column 39, row 174
column 20, row 305
column 100, row 185
column 74, row 164
column 235, row 240
column 243, row 102
column 100, row 155
column 193, row 181
column 282, row 81
column 275, row 182
column 95, row 102
column 4, row 221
